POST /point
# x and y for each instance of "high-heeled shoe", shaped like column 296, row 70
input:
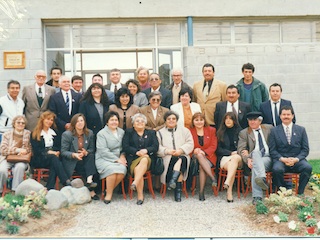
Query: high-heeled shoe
column 201, row 196
column 107, row 201
column 229, row 201
column 133, row 187
column 140, row 202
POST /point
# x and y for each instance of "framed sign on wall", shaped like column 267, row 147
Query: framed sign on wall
column 14, row 60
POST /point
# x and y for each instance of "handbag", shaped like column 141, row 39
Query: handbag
column 19, row 158
column 194, row 167
column 157, row 167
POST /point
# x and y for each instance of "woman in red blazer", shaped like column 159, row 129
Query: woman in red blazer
column 205, row 145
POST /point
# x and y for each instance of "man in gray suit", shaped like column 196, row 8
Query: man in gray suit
column 254, row 150
column 36, row 98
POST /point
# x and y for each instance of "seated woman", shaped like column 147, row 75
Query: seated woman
column 110, row 163
column 14, row 142
column 228, row 158
column 140, row 146
column 77, row 151
column 154, row 112
column 175, row 145
column 46, row 150
column 205, row 145
column 139, row 98
column 124, row 107
column 185, row 108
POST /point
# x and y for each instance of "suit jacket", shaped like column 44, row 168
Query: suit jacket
column 221, row 109
column 32, row 109
column 140, row 99
column 131, row 144
column 247, row 140
column 107, row 86
column 166, row 96
column 184, row 85
column 58, row 106
column 132, row 110
column 178, row 108
column 279, row 146
column 92, row 116
column 151, row 123
column 217, row 94
column 265, row 109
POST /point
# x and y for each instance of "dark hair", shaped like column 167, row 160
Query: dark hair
column 183, row 91
column 15, row 82
column 232, row 86
column 55, row 68
column 223, row 126
column 73, row 123
column 135, row 82
column 76, row 77
column 208, row 65
column 110, row 114
column 170, row 112
column 248, row 66
column 120, row 92
column 286, row 107
column 97, row 75
column 201, row 115
column 89, row 98
column 275, row 85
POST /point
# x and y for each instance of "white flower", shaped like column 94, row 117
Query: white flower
column 318, row 225
column 292, row 225
column 276, row 219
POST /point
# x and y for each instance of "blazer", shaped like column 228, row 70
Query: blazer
column 32, row 109
column 58, row 106
column 279, row 146
column 221, row 109
column 132, row 110
column 151, row 123
column 69, row 145
column 107, row 86
column 209, row 143
column 178, row 108
column 247, row 140
column 92, row 116
column 265, row 109
column 140, row 99
column 208, row 106
column 166, row 96
column 131, row 144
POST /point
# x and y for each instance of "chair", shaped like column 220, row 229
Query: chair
column 147, row 176
column 239, row 178
column 292, row 177
column 41, row 173
column 163, row 189
column 194, row 183
column 268, row 179
column 103, row 188
column 5, row 190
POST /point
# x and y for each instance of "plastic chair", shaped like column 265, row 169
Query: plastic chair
column 103, row 188
column 41, row 173
column 292, row 177
column 147, row 176
column 163, row 189
column 5, row 190
column 268, row 179
column 194, row 183
column 239, row 178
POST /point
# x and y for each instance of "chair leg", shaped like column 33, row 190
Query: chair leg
column 150, row 187
column 194, row 183
column 123, row 190
column 163, row 190
column 103, row 188
column 184, row 188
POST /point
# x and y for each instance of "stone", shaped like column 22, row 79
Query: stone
column 68, row 193
column 26, row 186
column 56, row 200
column 76, row 195
column 77, row 183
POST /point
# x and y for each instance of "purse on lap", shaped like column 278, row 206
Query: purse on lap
column 19, row 158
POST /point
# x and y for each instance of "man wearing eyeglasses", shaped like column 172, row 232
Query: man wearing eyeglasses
column 10, row 106
column 36, row 98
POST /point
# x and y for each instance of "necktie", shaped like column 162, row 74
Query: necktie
column 205, row 90
column 288, row 135
column 176, row 86
column 261, row 146
column 276, row 115
column 115, row 89
column 234, row 110
column 67, row 102
column 40, row 93
column 40, row 97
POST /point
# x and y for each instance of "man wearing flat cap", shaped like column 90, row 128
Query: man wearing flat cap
column 254, row 150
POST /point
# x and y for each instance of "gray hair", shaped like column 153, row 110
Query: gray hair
column 18, row 117
column 176, row 70
column 139, row 115
column 64, row 77
column 142, row 68
column 155, row 93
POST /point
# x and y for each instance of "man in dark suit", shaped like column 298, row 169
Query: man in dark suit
column 115, row 77
column 289, row 148
column 155, row 83
column 232, row 105
column 270, row 109
column 177, row 84
column 55, row 74
column 64, row 104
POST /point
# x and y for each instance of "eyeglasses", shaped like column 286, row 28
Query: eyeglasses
column 41, row 76
column 176, row 75
column 154, row 79
column 172, row 118
column 139, row 121
column 23, row 123
column 155, row 99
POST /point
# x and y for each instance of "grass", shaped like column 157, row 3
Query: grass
column 315, row 163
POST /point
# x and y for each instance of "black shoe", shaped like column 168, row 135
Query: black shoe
column 177, row 192
column 91, row 185
column 139, row 202
column 256, row 200
column 201, row 197
column 173, row 180
column 262, row 182
column 229, row 201
column 107, row 201
column 95, row 197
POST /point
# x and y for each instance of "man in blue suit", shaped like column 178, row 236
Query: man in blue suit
column 289, row 147
column 270, row 109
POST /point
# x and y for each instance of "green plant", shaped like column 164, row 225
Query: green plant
column 305, row 213
column 12, row 228
column 14, row 200
column 36, row 213
column 283, row 217
column 261, row 208
column 311, row 222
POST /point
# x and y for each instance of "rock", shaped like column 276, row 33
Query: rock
column 76, row 195
column 68, row 193
column 25, row 187
column 77, row 183
column 56, row 200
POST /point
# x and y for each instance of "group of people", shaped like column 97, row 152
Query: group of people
column 113, row 130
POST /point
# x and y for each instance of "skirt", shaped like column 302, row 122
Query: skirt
column 136, row 162
column 226, row 159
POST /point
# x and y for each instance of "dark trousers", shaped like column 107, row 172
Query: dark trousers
column 302, row 167
column 86, row 167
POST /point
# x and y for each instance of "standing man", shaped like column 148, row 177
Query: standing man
column 289, row 148
column 155, row 83
column 209, row 92
column 65, row 104
column 177, row 84
column 251, row 89
column 239, row 108
column 115, row 77
column 55, row 74
column 270, row 109
column 36, row 98
column 254, row 150
column 77, row 84
column 97, row 78
column 10, row 106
